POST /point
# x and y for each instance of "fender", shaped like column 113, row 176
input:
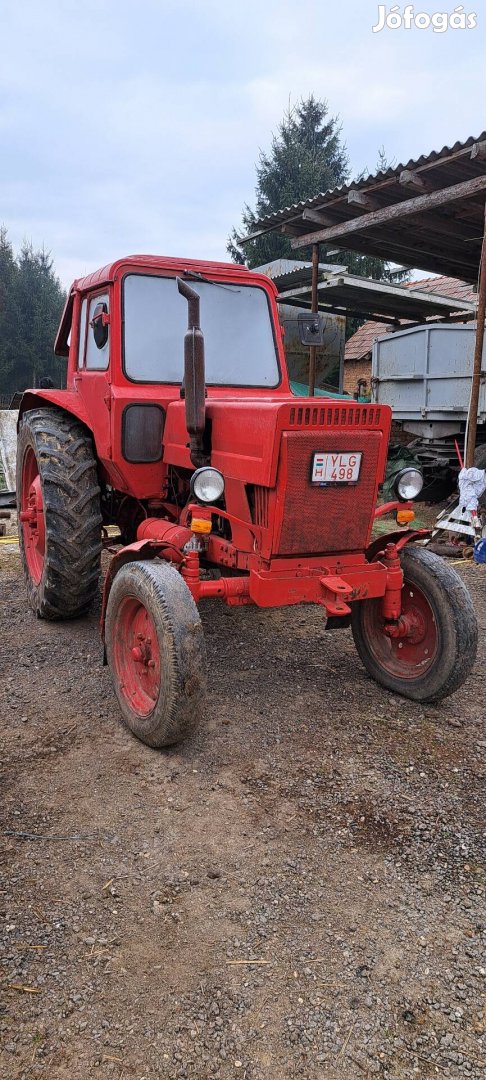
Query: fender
column 66, row 400
column 400, row 538
column 141, row 549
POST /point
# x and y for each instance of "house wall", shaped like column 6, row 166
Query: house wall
column 354, row 370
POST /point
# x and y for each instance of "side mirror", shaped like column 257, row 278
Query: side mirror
column 99, row 324
column 311, row 327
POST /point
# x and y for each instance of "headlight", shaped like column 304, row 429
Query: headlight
column 207, row 485
column 408, row 484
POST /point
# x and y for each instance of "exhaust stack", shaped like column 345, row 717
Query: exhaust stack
column 194, row 379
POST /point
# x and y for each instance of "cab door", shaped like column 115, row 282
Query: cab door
column 93, row 376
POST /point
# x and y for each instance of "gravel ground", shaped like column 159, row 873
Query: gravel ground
column 297, row 892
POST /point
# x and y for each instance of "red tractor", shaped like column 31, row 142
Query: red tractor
column 222, row 484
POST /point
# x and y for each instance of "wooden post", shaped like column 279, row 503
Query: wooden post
column 313, row 348
column 472, row 422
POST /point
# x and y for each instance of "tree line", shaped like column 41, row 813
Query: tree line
column 31, row 303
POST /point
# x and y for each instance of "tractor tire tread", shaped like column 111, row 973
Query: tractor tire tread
column 161, row 588
column 459, row 630
column 71, row 494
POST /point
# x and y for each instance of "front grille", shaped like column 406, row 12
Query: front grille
column 350, row 416
column 326, row 519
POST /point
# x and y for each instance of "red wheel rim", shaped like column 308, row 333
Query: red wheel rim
column 136, row 656
column 32, row 517
column 407, row 657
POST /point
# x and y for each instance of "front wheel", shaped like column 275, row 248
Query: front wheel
column 155, row 651
column 437, row 656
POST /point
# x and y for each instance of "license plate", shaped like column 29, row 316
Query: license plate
column 336, row 468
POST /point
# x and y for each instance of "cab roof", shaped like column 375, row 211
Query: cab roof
column 108, row 273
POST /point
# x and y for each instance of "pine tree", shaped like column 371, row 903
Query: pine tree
column 307, row 157
column 9, row 315
column 31, row 302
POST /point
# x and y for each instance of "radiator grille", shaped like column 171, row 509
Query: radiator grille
column 326, row 519
column 258, row 499
column 355, row 416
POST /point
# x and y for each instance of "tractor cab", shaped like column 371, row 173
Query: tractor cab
column 122, row 332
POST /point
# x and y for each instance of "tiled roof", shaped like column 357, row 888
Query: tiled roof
column 361, row 343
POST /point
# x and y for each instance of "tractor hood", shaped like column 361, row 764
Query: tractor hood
column 245, row 433
column 242, row 435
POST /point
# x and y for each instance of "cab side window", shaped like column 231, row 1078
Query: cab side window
column 98, row 338
column 82, row 333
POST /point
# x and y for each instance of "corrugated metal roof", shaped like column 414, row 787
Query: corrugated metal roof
column 294, row 270
column 289, row 273
column 313, row 203
column 442, row 236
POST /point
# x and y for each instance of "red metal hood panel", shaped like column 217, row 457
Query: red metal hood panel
column 246, row 431
column 243, row 438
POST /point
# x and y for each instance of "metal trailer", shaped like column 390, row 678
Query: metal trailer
column 425, row 373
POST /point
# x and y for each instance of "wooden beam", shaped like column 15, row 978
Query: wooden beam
column 421, row 204
column 472, row 416
column 360, row 198
column 478, row 152
column 415, row 257
column 472, row 210
column 317, row 217
column 290, row 230
column 334, row 309
column 314, row 300
column 413, row 180
column 447, row 226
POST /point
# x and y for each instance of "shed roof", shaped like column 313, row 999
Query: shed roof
column 349, row 294
column 427, row 213
column 361, row 343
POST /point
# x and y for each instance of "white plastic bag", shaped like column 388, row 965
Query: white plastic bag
column 472, row 484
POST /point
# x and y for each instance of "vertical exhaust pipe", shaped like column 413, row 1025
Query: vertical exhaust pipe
column 194, row 376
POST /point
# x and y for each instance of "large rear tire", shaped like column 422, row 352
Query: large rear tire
column 436, row 659
column 58, row 501
column 155, row 650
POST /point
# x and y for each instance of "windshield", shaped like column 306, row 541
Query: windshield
column 235, row 320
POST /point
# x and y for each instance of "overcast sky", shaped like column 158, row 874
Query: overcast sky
column 135, row 125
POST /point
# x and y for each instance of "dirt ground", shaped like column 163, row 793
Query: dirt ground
column 297, row 892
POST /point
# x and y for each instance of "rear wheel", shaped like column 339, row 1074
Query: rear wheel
column 155, row 650
column 58, row 501
column 437, row 655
